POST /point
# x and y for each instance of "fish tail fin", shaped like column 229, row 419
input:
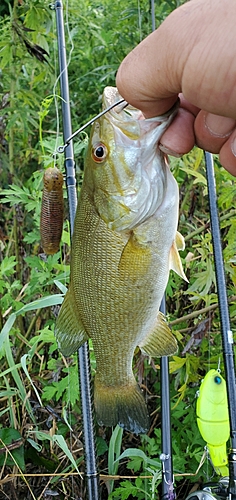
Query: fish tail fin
column 123, row 405
column 69, row 330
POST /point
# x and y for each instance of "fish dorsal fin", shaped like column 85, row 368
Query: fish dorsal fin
column 174, row 259
column 160, row 341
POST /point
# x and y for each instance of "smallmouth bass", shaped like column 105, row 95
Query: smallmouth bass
column 125, row 242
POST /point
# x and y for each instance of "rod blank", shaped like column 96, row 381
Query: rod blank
column 91, row 472
column 226, row 333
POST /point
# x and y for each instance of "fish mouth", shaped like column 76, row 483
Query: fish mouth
column 126, row 113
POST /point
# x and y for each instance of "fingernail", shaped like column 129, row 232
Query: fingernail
column 168, row 151
column 233, row 146
column 219, row 126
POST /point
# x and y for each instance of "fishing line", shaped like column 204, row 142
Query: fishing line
column 139, row 21
column 69, row 35
column 58, row 78
column 55, row 96
column 62, row 148
column 54, row 89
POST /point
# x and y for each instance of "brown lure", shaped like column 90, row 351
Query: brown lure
column 52, row 210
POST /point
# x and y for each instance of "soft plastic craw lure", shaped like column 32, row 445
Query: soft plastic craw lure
column 213, row 419
column 51, row 220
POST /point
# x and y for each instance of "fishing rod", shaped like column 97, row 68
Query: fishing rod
column 226, row 333
column 168, row 491
column 91, row 469
column 226, row 487
column 167, row 483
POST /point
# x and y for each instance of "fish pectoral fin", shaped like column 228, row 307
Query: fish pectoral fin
column 69, row 330
column 174, row 259
column 179, row 240
column 160, row 341
column 135, row 259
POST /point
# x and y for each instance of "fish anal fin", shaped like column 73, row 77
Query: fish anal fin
column 69, row 330
column 175, row 262
column 135, row 258
column 160, row 341
column 123, row 405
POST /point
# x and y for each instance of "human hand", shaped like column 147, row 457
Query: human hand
column 191, row 55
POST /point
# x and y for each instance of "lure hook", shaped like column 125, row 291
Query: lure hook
column 61, row 149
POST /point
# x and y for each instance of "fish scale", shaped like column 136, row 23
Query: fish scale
column 123, row 248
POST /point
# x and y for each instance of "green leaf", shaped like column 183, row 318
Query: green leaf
column 35, row 445
column 113, row 453
column 135, row 452
column 49, row 301
column 13, row 456
column 7, row 266
column 204, row 280
column 199, row 178
column 6, row 329
column 101, row 446
column 49, row 392
column 60, row 441
column 24, row 366
column 61, row 287
column 176, row 363
column 6, row 56
column 62, row 444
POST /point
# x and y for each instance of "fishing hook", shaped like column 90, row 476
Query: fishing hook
column 61, row 149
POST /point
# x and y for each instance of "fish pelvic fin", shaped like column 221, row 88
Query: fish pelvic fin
column 123, row 405
column 69, row 330
column 174, row 259
column 160, row 341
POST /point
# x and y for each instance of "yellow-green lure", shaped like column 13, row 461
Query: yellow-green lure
column 213, row 419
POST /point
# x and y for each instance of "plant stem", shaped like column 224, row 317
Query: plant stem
column 11, row 157
column 195, row 314
column 26, row 336
column 203, row 228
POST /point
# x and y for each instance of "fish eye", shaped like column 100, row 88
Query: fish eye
column 99, row 152
column 217, row 379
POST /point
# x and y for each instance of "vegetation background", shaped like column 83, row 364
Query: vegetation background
column 40, row 422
